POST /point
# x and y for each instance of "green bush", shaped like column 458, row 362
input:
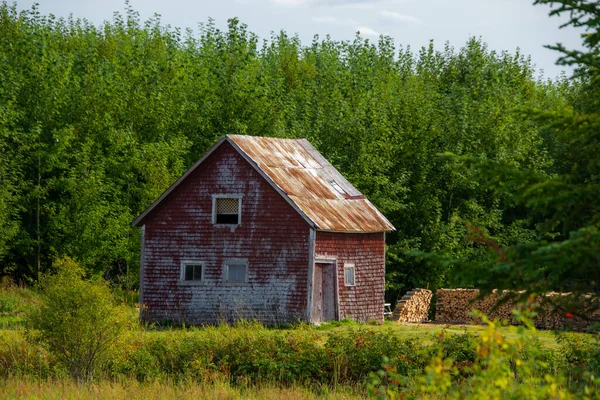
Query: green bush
column 580, row 358
column 359, row 353
column 14, row 301
column 243, row 353
column 77, row 319
column 276, row 356
column 7, row 304
column 501, row 368
column 20, row 357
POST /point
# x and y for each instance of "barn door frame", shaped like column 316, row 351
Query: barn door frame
column 332, row 260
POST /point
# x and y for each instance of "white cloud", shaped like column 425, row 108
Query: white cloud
column 325, row 20
column 345, row 2
column 358, row 4
column 290, row 3
column 333, row 21
column 361, row 4
column 364, row 30
column 397, row 17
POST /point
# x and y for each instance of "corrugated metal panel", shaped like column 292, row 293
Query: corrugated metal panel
column 313, row 184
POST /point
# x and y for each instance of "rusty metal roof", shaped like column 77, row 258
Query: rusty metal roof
column 307, row 181
column 312, row 184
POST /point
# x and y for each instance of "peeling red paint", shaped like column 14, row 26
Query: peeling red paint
column 271, row 236
column 363, row 301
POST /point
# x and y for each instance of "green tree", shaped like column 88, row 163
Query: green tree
column 562, row 200
column 77, row 319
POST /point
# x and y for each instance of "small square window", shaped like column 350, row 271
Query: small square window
column 227, row 209
column 349, row 275
column 236, row 272
column 192, row 271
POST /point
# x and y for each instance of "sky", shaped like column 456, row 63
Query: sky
column 502, row 24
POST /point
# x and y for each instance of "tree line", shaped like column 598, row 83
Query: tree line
column 97, row 121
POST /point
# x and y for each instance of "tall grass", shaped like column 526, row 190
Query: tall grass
column 15, row 300
column 132, row 389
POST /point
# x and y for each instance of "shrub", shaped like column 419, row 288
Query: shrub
column 275, row 356
column 77, row 318
column 18, row 357
column 7, row 304
column 581, row 358
column 14, row 301
column 360, row 352
column 501, row 369
column 246, row 353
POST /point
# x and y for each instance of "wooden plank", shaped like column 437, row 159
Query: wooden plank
column 328, row 292
column 317, row 306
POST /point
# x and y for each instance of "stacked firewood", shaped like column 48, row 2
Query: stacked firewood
column 551, row 318
column 454, row 306
column 413, row 306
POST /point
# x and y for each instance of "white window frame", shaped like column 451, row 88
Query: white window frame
column 226, row 265
column 237, row 196
column 185, row 263
column 353, row 268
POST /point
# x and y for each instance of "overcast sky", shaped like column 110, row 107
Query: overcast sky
column 502, row 24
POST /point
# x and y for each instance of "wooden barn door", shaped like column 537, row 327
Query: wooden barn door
column 324, row 300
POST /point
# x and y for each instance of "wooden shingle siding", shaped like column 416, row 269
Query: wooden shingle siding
column 364, row 301
column 272, row 237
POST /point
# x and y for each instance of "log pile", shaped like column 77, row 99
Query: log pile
column 413, row 306
column 453, row 306
column 549, row 318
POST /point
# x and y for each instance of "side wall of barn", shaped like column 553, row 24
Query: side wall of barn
column 363, row 301
column 272, row 237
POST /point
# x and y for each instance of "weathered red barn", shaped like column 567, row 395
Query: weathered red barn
column 262, row 228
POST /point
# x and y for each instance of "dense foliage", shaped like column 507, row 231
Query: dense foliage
column 500, row 368
column 95, row 122
column 339, row 357
column 561, row 201
column 77, row 318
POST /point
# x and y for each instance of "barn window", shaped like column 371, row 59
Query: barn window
column 227, row 209
column 192, row 271
column 236, row 271
column 349, row 274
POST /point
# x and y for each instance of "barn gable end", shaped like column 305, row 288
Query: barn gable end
column 272, row 238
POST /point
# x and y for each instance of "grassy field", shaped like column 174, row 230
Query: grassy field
column 14, row 301
column 426, row 332
column 16, row 388
column 339, row 360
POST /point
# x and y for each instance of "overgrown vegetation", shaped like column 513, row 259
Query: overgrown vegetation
column 77, row 319
column 337, row 360
column 342, row 358
column 498, row 369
